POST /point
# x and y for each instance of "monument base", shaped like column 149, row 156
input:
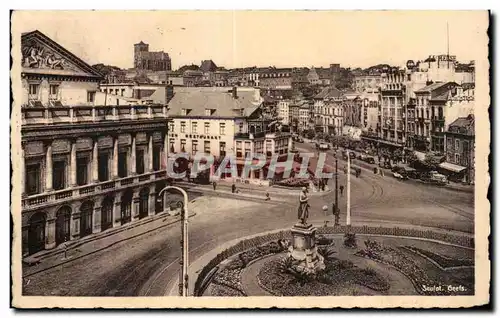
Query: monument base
column 304, row 250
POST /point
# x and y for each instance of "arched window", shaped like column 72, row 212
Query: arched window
column 63, row 225
column 126, row 207
column 107, row 213
column 86, row 211
column 143, row 203
column 36, row 232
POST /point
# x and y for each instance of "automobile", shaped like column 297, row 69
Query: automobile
column 351, row 154
column 399, row 176
column 370, row 160
column 324, row 146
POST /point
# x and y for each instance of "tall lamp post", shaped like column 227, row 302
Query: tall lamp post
column 336, row 187
column 183, row 276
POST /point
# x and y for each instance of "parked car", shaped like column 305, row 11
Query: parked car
column 351, row 154
column 370, row 160
column 399, row 176
column 324, row 146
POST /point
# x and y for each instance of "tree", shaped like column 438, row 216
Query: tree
column 431, row 162
column 397, row 155
column 411, row 158
column 310, row 134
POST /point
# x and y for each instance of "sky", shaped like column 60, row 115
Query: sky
column 262, row 38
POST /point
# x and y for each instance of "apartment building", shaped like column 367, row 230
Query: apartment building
column 224, row 122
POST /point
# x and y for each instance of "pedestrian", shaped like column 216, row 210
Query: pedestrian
column 214, row 184
column 341, row 190
column 323, row 184
column 268, row 198
column 233, row 188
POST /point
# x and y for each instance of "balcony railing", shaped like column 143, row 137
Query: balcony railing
column 84, row 114
column 82, row 191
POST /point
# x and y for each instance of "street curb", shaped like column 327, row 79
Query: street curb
column 198, row 268
column 107, row 246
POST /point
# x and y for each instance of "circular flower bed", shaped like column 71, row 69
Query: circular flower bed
column 338, row 274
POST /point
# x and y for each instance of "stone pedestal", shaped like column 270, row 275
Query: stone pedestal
column 304, row 250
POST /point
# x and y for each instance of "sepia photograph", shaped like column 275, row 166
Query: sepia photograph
column 237, row 159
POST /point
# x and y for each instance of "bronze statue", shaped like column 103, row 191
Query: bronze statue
column 303, row 211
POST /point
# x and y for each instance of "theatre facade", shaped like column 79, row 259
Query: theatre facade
column 89, row 161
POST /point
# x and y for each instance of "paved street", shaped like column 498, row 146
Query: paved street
column 147, row 264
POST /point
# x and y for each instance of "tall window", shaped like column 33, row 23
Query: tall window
column 206, row 146
column 222, row 129
column 183, row 145
column 207, row 128
column 171, row 127
column 172, row 146
column 59, row 175
column 122, row 164
column 156, row 158
column 32, row 185
column 222, row 148
column 239, row 152
column 54, row 90
column 90, row 97
column 139, row 161
column 33, row 90
column 195, row 146
column 457, row 158
column 457, row 145
column 82, row 164
column 183, row 127
column 194, row 127
column 103, row 163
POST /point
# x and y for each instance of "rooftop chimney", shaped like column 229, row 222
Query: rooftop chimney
column 170, row 91
column 235, row 92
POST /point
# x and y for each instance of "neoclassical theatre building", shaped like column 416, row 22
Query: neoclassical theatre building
column 90, row 161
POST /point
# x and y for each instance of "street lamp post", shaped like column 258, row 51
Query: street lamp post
column 183, row 276
column 336, row 188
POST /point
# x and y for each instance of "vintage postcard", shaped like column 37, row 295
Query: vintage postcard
column 242, row 159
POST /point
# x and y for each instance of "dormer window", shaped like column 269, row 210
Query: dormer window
column 186, row 111
column 209, row 111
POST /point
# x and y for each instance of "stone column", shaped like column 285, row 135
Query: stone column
column 152, row 201
column 50, row 233
column 95, row 162
column 166, row 149
column 96, row 219
column 117, row 213
column 48, row 167
column 73, row 168
column 135, row 206
column 22, row 171
column 150, row 153
column 132, row 156
column 115, row 158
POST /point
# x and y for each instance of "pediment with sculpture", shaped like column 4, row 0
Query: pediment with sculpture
column 41, row 54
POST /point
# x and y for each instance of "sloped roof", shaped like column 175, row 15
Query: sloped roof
column 328, row 92
column 38, row 37
column 431, row 87
column 208, row 66
column 198, row 99
column 464, row 122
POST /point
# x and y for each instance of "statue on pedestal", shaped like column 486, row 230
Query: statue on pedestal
column 303, row 211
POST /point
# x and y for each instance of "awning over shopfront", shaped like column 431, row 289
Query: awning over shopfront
column 452, row 167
